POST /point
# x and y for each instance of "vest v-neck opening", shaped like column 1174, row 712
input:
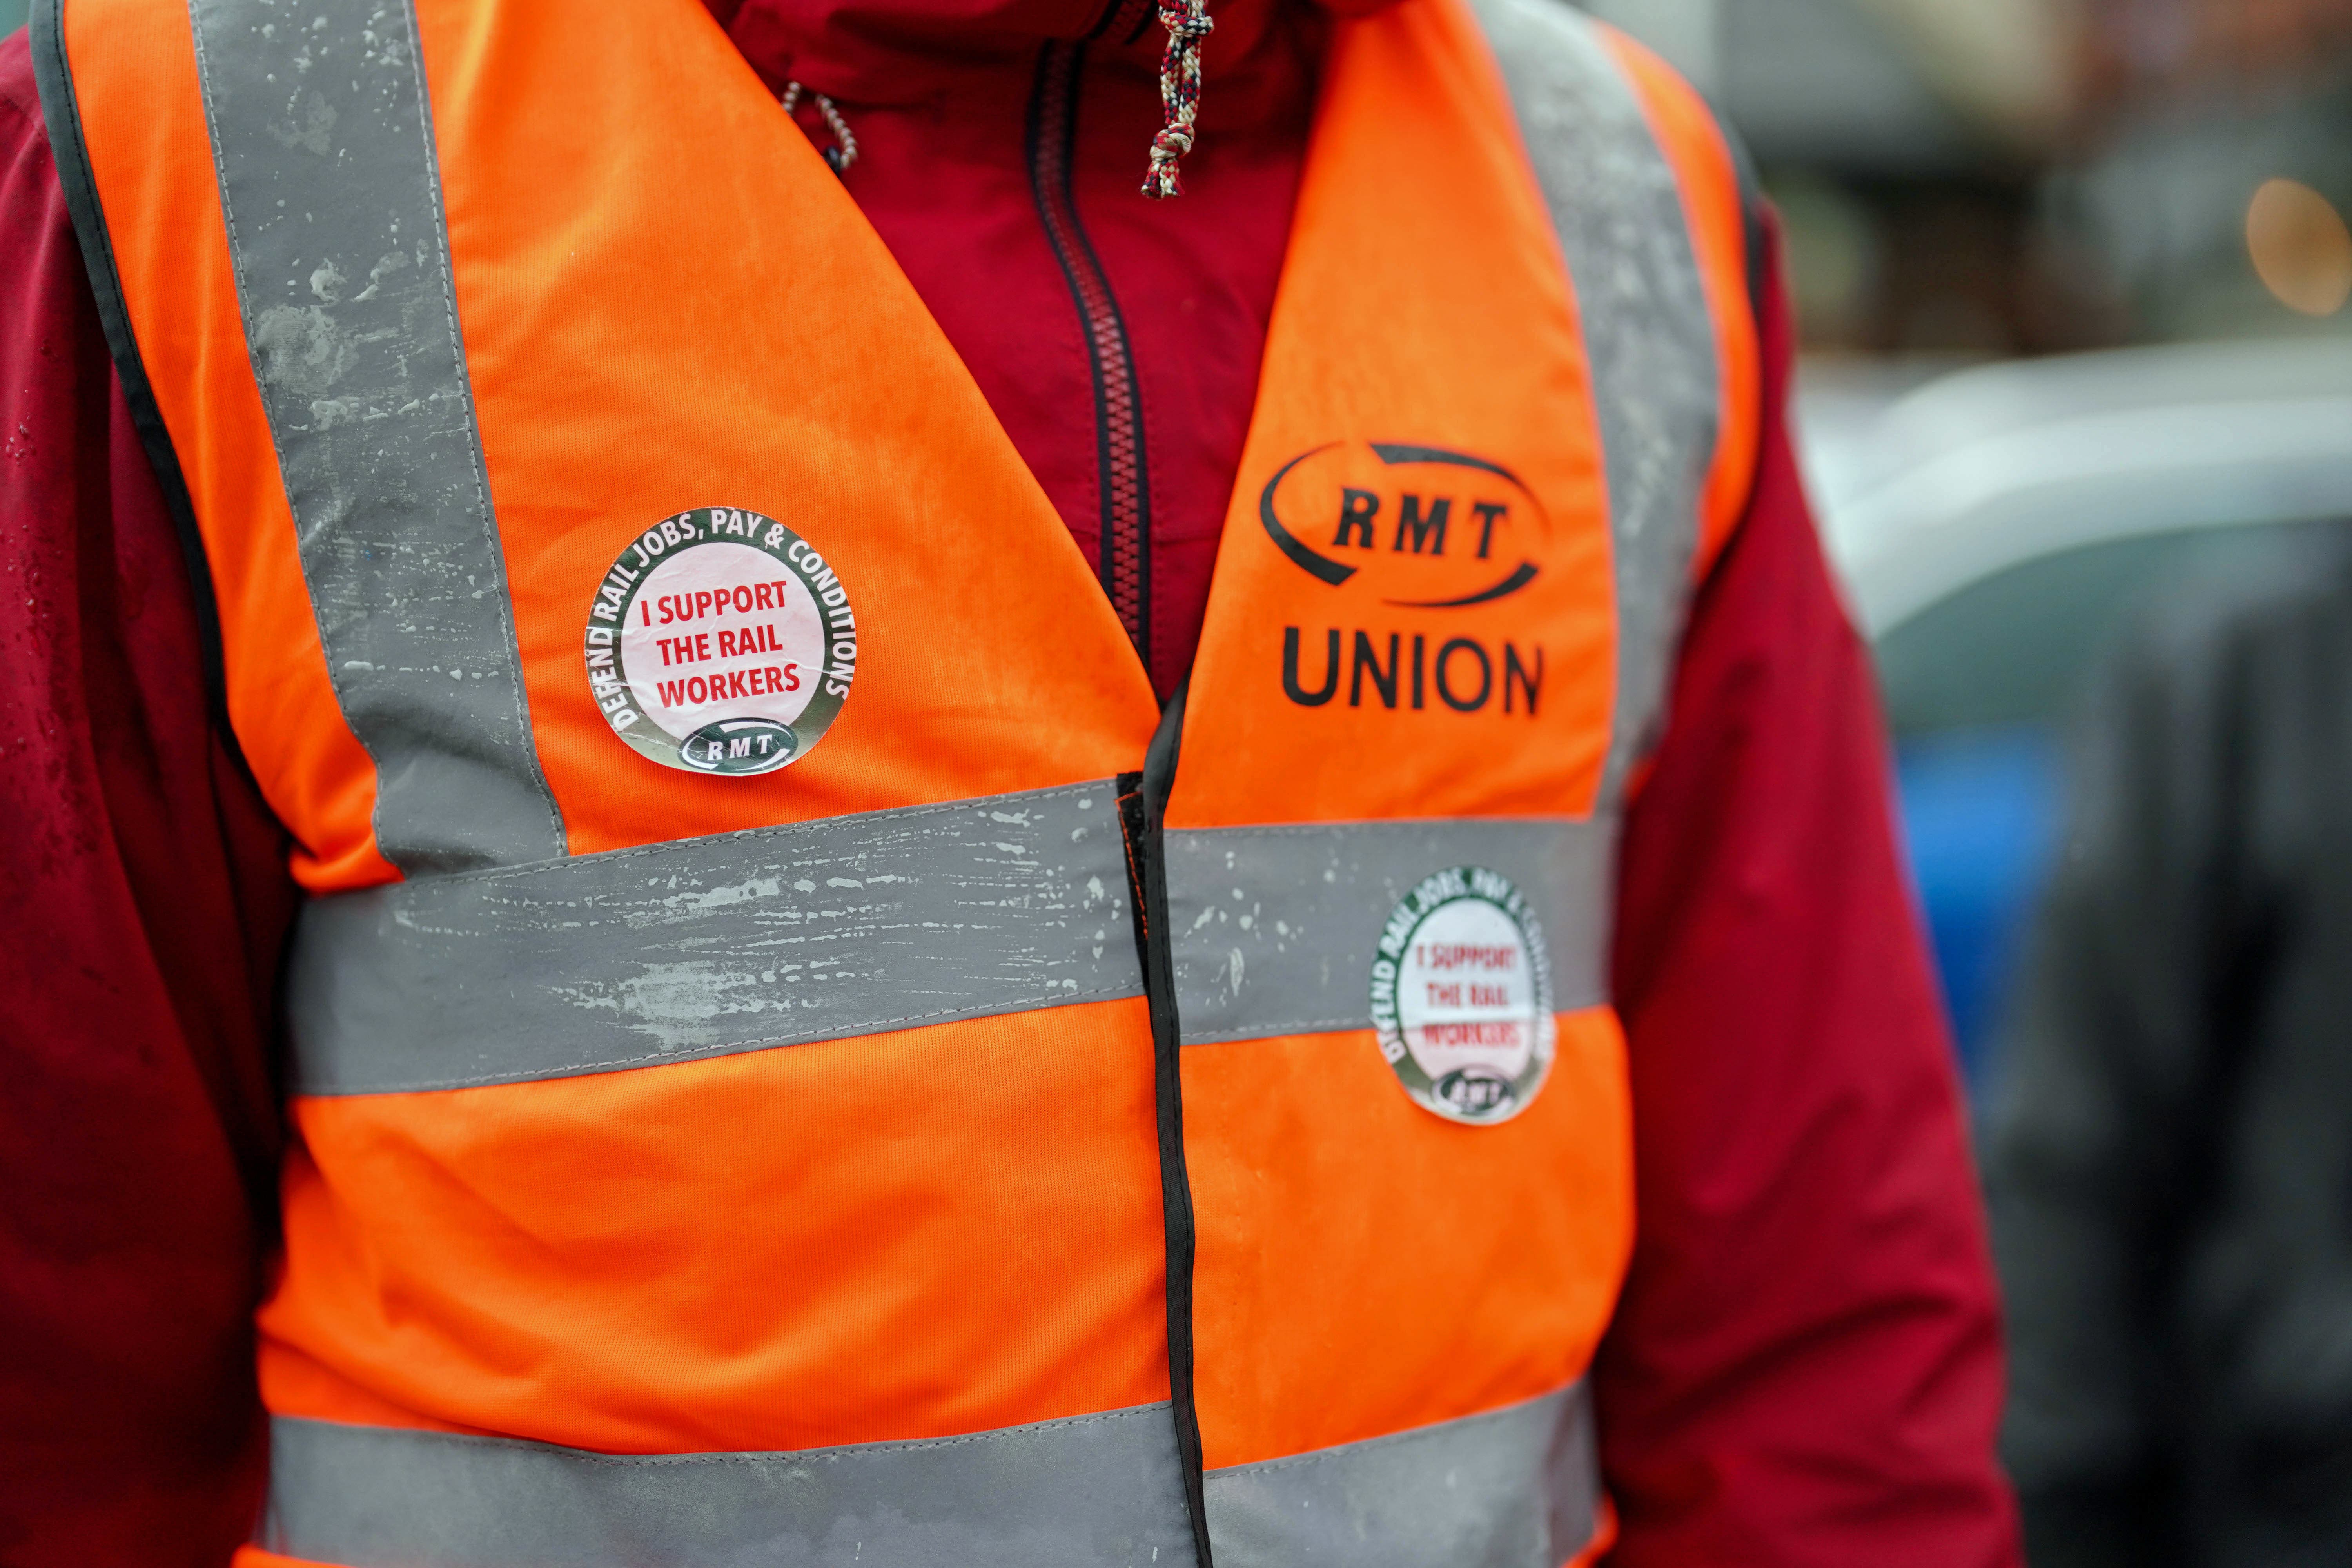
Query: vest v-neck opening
column 1138, row 648
column 1122, row 458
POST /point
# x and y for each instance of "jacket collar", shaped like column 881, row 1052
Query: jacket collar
column 903, row 51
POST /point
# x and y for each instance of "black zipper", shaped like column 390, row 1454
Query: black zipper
column 1123, row 477
column 1142, row 806
column 1126, row 573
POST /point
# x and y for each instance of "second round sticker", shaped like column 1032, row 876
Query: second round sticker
column 720, row 642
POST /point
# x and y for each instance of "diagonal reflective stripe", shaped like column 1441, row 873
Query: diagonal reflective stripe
column 1092, row 1491
column 1516, row 1487
column 1648, row 331
column 710, row 946
column 1275, row 928
column 323, row 141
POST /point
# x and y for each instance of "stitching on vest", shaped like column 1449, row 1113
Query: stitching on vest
column 578, row 864
column 1390, row 1440
column 1029, row 1433
column 737, row 1048
column 1273, row 830
column 535, row 771
column 1280, row 1027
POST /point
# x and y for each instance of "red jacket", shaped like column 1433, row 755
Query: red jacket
column 1805, row 1365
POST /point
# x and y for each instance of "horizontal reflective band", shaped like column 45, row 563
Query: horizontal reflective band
column 1275, row 929
column 1087, row 1492
column 1516, row 1487
column 709, row 946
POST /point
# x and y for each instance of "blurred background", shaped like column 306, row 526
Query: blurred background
column 2072, row 280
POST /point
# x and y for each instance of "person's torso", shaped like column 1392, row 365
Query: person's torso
column 795, row 1055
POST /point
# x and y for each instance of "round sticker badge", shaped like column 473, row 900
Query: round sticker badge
column 1461, row 997
column 721, row 643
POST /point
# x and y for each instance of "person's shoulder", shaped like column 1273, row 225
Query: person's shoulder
column 1570, row 40
column 1595, row 83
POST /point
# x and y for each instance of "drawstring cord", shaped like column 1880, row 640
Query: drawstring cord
column 843, row 152
column 1188, row 24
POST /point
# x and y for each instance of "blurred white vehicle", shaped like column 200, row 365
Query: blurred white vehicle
column 1993, row 525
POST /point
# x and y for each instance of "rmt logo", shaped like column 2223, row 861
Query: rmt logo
column 1419, row 528
column 1402, row 528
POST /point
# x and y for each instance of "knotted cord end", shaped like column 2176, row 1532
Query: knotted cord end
column 1188, row 24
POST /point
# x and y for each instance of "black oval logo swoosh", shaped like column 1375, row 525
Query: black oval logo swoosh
column 1391, row 453
column 1332, row 572
column 1519, row 578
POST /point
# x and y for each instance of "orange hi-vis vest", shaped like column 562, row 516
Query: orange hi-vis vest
column 796, row 1059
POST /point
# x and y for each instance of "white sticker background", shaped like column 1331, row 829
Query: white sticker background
column 1467, row 992
column 1461, row 996
column 723, row 631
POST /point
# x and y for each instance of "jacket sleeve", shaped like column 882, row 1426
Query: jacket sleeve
column 143, row 902
column 1805, row 1367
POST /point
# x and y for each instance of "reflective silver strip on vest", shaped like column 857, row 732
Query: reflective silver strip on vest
column 1648, row 331
column 1516, row 1487
column 323, row 140
column 705, row 947
column 1275, row 928
column 1092, row 1491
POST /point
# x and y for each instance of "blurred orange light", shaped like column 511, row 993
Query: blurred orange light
column 2300, row 246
